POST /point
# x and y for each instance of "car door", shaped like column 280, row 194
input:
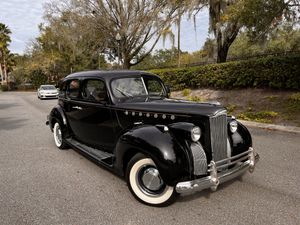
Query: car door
column 71, row 105
column 93, row 116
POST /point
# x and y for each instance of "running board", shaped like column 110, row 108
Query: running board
column 97, row 154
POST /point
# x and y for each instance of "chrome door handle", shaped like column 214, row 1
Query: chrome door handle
column 77, row 107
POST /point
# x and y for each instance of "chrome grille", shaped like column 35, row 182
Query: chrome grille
column 218, row 136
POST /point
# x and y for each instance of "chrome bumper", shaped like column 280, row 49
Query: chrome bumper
column 215, row 177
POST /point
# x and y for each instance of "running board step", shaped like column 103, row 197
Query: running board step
column 100, row 155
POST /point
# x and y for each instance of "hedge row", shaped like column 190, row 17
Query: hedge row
column 269, row 72
column 3, row 87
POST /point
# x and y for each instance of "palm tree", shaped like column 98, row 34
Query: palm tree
column 4, row 52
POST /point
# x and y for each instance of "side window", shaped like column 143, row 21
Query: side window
column 94, row 90
column 154, row 87
column 62, row 89
column 73, row 89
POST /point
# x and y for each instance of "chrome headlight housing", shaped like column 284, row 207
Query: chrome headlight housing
column 233, row 125
column 196, row 134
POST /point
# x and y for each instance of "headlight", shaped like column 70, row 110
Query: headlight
column 233, row 125
column 196, row 134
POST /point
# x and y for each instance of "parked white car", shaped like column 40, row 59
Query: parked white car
column 47, row 91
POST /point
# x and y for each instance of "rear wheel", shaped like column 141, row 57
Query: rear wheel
column 146, row 184
column 59, row 136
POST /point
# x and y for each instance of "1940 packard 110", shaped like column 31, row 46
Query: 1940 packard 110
column 126, row 121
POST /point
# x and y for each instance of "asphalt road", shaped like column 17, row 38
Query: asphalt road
column 40, row 184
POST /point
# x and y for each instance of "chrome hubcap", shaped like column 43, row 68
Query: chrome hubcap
column 151, row 179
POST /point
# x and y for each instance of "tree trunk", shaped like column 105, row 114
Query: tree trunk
column 222, row 53
column 178, row 38
column 126, row 63
column 224, row 42
column 5, row 72
column 1, row 75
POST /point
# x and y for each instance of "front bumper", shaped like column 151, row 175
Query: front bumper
column 49, row 96
column 218, row 175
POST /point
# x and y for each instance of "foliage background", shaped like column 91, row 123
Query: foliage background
column 269, row 72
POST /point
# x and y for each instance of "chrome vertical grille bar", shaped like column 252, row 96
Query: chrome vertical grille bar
column 218, row 134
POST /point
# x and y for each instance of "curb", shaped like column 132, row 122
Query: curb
column 289, row 129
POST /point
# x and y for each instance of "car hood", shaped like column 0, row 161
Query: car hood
column 49, row 91
column 167, row 105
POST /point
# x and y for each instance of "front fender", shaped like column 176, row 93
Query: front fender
column 241, row 140
column 168, row 155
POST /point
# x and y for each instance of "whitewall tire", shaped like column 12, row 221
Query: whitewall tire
column 58, row 136
column 145, row 183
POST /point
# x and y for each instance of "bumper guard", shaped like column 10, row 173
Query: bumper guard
column 217, row 176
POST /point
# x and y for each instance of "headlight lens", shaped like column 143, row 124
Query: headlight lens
column 233, row 125
column 196, row 134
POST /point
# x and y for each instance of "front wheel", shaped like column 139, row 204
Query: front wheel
column 145, row 183
column 59, row 136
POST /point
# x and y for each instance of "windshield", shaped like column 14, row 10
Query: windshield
column 137, row 86
column 48, row 87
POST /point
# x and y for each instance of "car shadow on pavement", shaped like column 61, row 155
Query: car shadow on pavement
column 9, row 123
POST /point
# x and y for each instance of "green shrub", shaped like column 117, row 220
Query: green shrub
column 186, row 92
column 269, row 72
column 295, row 97
column 196, row 99
column 38, row 77
column 4, row 87
column 230, row 108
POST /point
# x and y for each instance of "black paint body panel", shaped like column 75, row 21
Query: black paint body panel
column 128, row 126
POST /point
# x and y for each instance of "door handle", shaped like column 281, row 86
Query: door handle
column 77, row 107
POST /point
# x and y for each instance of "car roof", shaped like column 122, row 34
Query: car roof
column 108, row 74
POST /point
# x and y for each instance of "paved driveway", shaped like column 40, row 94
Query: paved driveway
column 41, row 185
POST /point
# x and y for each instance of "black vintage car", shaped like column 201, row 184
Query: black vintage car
column 126, row 121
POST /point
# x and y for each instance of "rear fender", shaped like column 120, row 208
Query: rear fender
column 57, row 114
column 152, row 141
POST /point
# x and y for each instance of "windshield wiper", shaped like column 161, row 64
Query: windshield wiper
column 123, row 93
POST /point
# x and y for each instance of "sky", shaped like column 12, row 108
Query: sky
column 23, row 17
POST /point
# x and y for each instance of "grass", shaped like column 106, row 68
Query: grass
column 262, row 117
column 260, row 105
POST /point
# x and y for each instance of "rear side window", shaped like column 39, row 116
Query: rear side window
column 62, row 89
column 94, row 90
column 73, row 89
